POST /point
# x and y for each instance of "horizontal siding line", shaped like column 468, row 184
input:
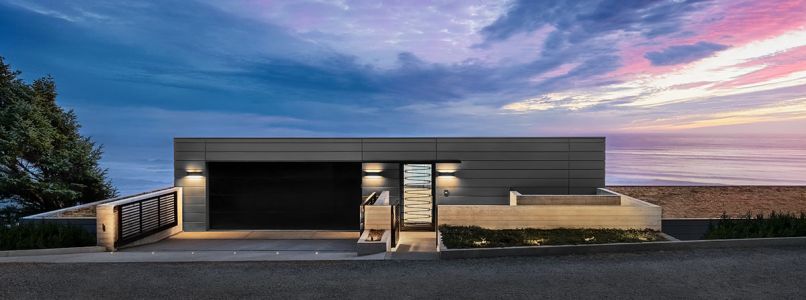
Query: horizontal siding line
column 494, row 186
column 512, row 177
column 527, row 160
column 459, row 172
column 275, row 141
column 287, row 151
column 397, row 141
column 531, row 169
column 403, row 138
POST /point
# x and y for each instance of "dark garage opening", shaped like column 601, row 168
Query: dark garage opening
column 284, row 195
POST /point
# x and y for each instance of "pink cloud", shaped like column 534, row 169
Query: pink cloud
column 740, row 22
column 777, row 66
column 729, row 22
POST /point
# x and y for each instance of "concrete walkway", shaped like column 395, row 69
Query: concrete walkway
column 416, row 245
column 179, row 244
column 268, row 235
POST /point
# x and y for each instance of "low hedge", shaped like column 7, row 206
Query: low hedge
column 42, row 236
column 758, row 226
column 476, row 237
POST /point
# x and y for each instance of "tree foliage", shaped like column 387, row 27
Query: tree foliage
column 45, row 163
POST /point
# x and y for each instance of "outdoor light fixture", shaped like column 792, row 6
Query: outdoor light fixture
column 194, row 173
column 447, row 168
column 372, row 173
column 446, row 173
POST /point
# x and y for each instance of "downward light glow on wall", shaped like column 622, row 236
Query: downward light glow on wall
column 447, row 168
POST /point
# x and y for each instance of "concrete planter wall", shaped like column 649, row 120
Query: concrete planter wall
column 379, row 214
column 365, row 247
column 604, row 210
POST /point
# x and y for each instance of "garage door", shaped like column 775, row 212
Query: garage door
column 299, row 195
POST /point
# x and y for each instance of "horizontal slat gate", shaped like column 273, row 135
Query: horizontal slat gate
column 142, row 218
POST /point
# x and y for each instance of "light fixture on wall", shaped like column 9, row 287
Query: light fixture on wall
column 194, row 173
column 372, row 173
column 447, row 168
column 442, row 173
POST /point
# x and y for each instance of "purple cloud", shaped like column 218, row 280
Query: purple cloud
column 683, row 53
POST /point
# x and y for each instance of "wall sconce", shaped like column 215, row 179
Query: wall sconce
column 446, row 173
column 372, row 173
column 194, row 173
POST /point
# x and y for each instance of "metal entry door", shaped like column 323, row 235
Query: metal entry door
column 418, row 196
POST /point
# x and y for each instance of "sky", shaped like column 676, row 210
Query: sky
column 139, row 73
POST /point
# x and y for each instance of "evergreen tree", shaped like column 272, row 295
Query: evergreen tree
column 45, row 163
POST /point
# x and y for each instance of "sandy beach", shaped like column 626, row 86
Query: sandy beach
column 712, row 201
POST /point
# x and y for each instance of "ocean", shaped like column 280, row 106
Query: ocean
column 706, row 160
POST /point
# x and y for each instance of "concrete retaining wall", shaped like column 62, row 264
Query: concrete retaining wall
column 378, row 215
column 568, row 200
column 630, row 213
column 107, row 220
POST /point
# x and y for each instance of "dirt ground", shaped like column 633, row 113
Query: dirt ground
column 712, row 201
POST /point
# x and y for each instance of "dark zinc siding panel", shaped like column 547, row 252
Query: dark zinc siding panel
column 490, row 168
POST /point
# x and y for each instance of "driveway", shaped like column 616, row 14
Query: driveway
column 704, row 273
column 172, row 244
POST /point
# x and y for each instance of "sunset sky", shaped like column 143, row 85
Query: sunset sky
column 141, row 72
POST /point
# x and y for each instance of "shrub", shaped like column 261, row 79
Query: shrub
column 41, row 236
column 477, row 237
column 758, row 226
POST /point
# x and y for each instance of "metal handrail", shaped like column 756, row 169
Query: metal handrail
column 371, row 199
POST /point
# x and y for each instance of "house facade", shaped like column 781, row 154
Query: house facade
column 320, row 183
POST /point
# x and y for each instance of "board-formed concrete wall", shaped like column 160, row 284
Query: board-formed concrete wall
column 489, row 168
column 628, row 213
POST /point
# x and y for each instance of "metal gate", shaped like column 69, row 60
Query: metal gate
column 144, row 217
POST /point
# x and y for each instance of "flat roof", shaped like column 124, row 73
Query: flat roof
column 394, row 138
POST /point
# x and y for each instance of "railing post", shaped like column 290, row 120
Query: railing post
column 176, row 209
column 119, row 212
column 159, row 212
column 140, row 216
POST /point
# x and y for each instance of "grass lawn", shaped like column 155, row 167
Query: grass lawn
column 476, row 237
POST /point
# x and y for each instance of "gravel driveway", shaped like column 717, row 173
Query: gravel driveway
column 706, row 273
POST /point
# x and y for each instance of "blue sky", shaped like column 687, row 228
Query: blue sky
column 139, row 73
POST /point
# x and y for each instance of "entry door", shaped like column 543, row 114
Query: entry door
column 418, row 196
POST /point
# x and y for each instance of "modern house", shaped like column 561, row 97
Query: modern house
column 352, row 187
column 319, row 183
